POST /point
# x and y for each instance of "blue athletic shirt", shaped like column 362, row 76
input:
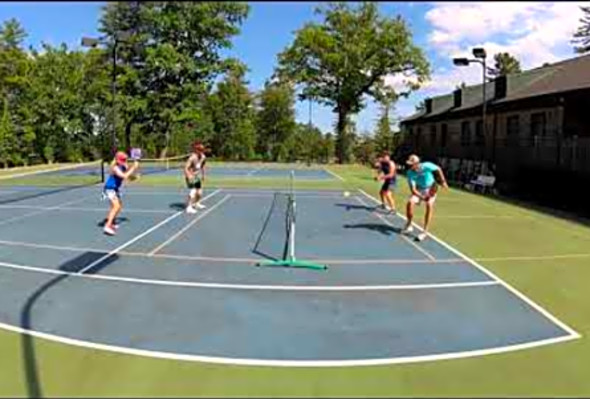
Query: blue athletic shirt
column 423, row 178
column 114, row 181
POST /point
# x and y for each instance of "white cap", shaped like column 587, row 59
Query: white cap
column 413, row 160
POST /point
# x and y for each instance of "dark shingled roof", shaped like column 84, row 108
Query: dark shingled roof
column 568, row 75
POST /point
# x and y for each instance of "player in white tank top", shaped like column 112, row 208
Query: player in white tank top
column 194, row 174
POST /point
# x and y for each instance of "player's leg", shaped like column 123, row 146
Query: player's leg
column 109, row 227
column 390, row 198
column 383, row 193
column 199, row 194
column 410, row 213
column 190, row 184
column 428, row 214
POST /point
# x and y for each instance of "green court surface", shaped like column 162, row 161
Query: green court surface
column 544, row 257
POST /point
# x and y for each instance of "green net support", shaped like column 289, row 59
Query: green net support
column 289, row 259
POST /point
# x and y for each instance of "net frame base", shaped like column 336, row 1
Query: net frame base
column 293, row 262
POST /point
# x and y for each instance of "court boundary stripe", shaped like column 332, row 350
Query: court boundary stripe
column 188, row 226
column 56, row 169
column 336, row 175
column 237, row 260
column 282, row 363
column 413, row 244
column 136, row 238
column 251, row 287
column 573, row 333
column 44, row 210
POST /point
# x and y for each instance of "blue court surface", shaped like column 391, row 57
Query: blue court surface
column 229, row 171
column 187, row 287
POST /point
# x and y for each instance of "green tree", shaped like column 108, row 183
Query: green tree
column 232, row 109
column 582, row 35
column 344, row 58
column 275, row 120
column 384, row 134
column 366, row 149
column 505, row 64
column 169, row 62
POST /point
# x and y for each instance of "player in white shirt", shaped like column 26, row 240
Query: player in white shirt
column 194, row 174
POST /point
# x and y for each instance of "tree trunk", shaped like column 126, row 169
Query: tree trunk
column 342, row 139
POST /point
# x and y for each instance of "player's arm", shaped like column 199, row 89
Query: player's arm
column 187, row 168
column 124, row 175
column 414, row 190
column 391, row 171
column 441, row 179
column 203, row 167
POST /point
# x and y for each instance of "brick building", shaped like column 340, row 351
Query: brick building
column 537, row 124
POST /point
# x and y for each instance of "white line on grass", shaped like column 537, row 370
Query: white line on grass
column 412, row 243
column 530, row 302
column 74, row 208
column 336, row 175
column 136, row 238
column 188, row 226
column 250, row 287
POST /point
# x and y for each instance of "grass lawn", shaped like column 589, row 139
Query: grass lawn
column 545, row 257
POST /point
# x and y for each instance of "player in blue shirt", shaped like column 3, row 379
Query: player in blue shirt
column 423, row 178
column 386, row 173
column 119, row 172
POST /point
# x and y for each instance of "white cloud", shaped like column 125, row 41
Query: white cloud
column 534, row 32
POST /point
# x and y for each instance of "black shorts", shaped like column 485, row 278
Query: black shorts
column 193, row 183
column 387, row 183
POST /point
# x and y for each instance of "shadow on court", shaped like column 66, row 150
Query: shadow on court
column 31, row 371
column 178, row 206
column 380, row 228
column 117, row 221
column 355, row 206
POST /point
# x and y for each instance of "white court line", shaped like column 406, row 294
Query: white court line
column 235, row 260
column 74, row 208
column 188, row 226
column 42, row 171
column 250, row 287
column 530, row 302
column 52, row 208
column 253, row 172
column 539, row 257
column 136, row 238
column 336, row 175
column 420, row 249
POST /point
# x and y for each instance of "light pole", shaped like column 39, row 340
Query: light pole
column 480, row 57
column 121, row 37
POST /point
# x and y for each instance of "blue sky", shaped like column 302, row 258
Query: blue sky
column 536, row 32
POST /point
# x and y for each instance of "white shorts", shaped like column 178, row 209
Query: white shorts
column 111, row 194
column 416, row 200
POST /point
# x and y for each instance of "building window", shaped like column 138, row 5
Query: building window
column 512, row 126
column 479, row 134
column 465, row 133
column 538, row 124
column 443, row 135
column 433, row 135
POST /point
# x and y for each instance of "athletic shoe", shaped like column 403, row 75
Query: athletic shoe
column 200, row 206
column 191, row 210
column 408, row 230
column 109, row 231
column 421, row 237
column 115, row 227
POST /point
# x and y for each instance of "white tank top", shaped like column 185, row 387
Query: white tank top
column 196, row 162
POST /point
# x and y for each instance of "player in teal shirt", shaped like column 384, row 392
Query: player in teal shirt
column 423, row 178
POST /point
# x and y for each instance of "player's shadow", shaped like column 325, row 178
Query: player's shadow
column 117, row 221
column 348, row 207
column 378, row 227
column 177, row 206
column 69, row 270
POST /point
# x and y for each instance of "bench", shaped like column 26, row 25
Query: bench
column 484, row 182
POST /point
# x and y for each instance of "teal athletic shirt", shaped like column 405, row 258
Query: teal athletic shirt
column 423, row 178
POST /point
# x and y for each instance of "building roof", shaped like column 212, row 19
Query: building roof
column 567, row 75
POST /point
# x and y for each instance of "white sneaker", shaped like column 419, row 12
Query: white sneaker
column 408, row 230
column 109, row 231
column 421, row 237
column 200, row 206
column 190, row 209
